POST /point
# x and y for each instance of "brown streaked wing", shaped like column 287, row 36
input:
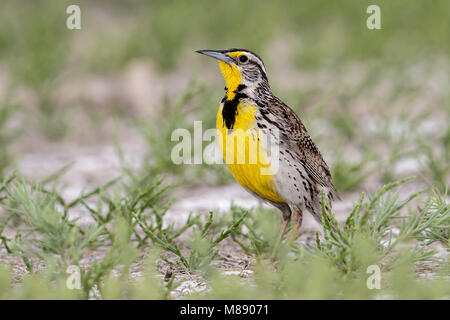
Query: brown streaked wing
column 298, row 140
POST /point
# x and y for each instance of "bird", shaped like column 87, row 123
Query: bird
column 265, row 144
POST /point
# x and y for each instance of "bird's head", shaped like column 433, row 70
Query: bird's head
column 243, row 70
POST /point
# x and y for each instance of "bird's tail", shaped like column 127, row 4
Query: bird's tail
column 322, row 205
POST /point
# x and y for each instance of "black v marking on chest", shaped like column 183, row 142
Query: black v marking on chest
column 229, row 110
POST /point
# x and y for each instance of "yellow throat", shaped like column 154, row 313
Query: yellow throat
column 232, row 77
column 245, row 156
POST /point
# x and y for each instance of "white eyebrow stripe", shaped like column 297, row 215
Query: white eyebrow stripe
column 260, row 63
column 255, row 58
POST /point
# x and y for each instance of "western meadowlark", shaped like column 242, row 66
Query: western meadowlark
column 250, row 108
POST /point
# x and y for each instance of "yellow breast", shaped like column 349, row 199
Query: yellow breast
column 244, row 153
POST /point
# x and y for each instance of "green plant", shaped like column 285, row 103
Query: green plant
column 46, row 233
column 371, row 228
column 349, row 176
column 123, row 222
column 436, row 164
column 257, row 235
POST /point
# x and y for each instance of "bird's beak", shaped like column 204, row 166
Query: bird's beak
column 216, row 54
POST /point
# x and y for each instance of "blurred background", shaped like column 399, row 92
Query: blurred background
column 377, row 102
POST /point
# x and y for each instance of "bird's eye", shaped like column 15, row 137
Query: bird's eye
column 243, row 59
